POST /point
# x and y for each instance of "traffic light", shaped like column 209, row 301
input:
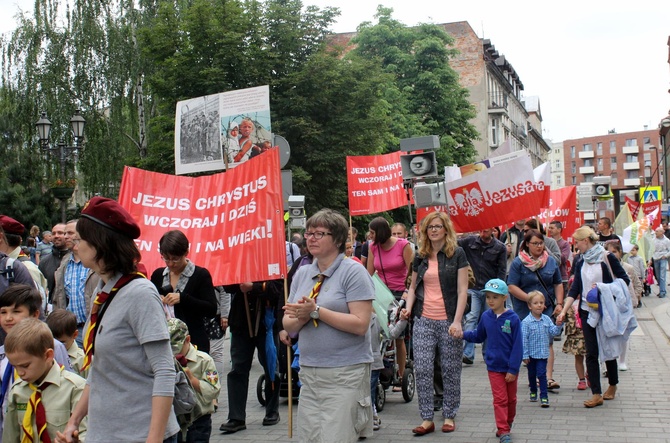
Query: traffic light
column 418, row 165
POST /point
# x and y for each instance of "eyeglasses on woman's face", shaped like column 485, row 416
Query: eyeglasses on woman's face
column 172, row 259
column 318, row 235
column 536, row 243
column 434, row 227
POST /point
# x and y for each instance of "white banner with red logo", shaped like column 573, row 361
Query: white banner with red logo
column 375, row 183
column 502, row 194
column 233, row 220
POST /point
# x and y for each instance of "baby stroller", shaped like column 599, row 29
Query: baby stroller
column 282, row 378
column 390, row 375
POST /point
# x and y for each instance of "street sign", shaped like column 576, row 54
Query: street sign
column 650, row 194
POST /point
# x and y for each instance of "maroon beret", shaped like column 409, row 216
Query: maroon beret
column 11, row 226
column 112, row 215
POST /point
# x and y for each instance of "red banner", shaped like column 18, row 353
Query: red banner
column 648, row 209
column 563, row 208
column 375, row 183
column 234, row 220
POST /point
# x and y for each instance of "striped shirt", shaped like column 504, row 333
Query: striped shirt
column 75, row 279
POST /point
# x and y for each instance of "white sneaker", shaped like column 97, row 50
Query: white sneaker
column 623, row 367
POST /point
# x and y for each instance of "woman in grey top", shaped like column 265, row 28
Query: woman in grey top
column 129, row 391
column 333, row 320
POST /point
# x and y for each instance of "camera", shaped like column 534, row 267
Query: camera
column 165, row 290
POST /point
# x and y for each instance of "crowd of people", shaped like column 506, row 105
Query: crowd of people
column 80, row 298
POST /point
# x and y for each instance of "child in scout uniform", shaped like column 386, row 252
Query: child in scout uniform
column 502, row 328
column 63, row 325
column 201, row 371
column 40, row 403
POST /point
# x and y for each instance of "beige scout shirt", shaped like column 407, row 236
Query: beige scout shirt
column 76, row 355
column 203, row 368
column 59, row 400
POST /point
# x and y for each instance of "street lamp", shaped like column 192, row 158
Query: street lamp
column 63, row 191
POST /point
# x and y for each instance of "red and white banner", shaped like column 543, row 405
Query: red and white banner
column 375, row 183
column 234, row 220
column 651, row 209
column 563, row 208
column 502, row 194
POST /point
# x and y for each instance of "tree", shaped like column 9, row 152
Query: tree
column 426, row 98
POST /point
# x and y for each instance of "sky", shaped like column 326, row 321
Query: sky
column 595, row 65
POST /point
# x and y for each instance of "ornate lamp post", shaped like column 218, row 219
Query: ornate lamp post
column 64, row 189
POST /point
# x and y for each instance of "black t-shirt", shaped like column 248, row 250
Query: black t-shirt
column 602, row 239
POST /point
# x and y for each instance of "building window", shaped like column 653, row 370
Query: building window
column 588, row 177
column 558, row 181
column 557, row 165
column 588, row 162
column 588, row 147
column 633, row 174
column 574, row 180
column 615, row 179
column 613, row 162
column 600, row 164
column 612, row 147
column 647, row 141
column 631, row 158
column 494, row 131
column 573, row 167
column 631, row 142
column 599, row 149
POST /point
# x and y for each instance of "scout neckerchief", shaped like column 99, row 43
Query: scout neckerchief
column 35, row 407
column 94, row 322
column 315, row 292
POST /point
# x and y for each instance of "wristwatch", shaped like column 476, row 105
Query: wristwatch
column 314, row 315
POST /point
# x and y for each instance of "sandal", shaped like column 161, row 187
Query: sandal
column 551, row 384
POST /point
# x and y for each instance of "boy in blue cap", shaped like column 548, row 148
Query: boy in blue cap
column 502, row 328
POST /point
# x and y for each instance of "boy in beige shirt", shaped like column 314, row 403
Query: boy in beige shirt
column 45, row 392
column 63, row 325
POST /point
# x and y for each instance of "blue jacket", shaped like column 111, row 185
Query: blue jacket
column 504, row 348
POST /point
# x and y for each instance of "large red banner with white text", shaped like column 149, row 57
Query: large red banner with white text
column 233, row 220
column 375, row 183
column 563, row 208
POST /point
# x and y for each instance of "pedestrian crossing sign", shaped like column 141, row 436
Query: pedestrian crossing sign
column 650, row 194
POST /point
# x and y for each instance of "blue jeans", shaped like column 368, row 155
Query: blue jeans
column 660, row 269
column 537, row 370
column 477, row 307
column 374, row 380
column 199, row 431
column 172, row 439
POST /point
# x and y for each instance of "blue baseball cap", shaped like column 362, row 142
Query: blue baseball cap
column 496, row 286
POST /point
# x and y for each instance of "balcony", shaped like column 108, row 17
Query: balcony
column 631, row 149
column 632, row 182
column 586, row 154
column 587, row 170
column 631, row 166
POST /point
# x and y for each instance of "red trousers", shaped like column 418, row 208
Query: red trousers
column 504, row 401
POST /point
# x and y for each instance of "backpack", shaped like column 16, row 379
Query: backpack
column 6, row 273
column 185, row 401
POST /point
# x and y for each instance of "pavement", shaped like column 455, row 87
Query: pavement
column 639, row 413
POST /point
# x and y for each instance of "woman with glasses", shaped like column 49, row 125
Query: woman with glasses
column 436, row 299
column 186, row 290
column 391, row 257
column 330, row 307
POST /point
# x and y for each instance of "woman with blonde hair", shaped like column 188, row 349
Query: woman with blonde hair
column 596, row 266
column 437, row 298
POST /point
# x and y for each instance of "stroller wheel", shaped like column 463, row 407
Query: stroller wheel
column 260, row 390
column 381, row 397
column 408, row 384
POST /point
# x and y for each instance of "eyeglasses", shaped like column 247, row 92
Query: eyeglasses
column 172, row 260
column 317, row 235
column 434, row 227
column 536, row 243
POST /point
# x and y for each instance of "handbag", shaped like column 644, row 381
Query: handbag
column 213, row 327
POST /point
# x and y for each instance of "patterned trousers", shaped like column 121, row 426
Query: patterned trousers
column 429, row 337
